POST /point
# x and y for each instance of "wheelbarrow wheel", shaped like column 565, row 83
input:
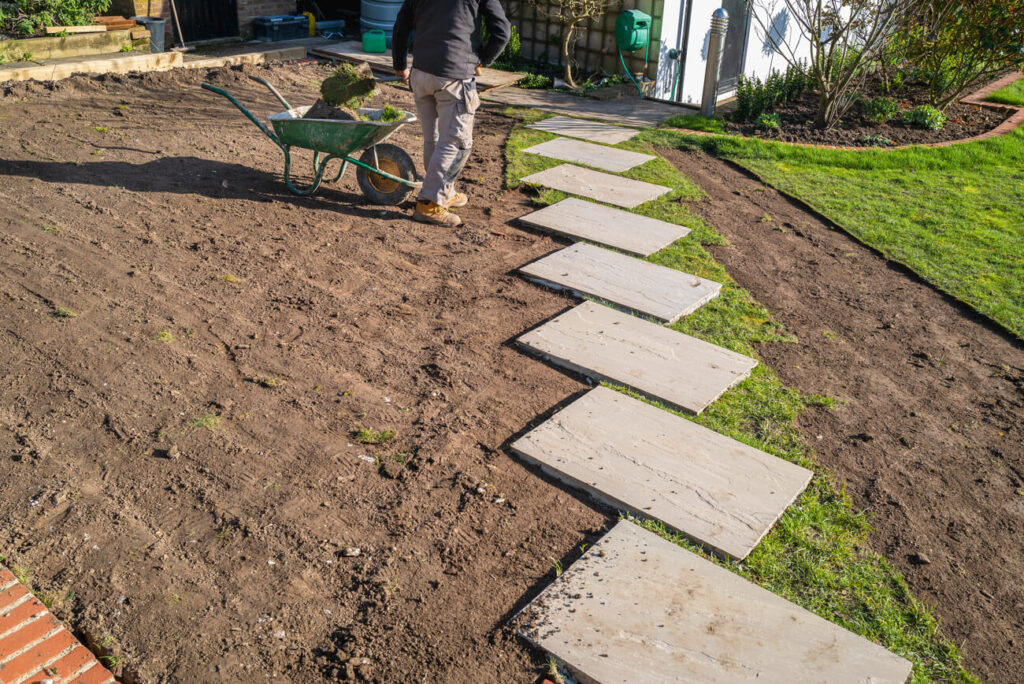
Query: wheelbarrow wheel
column 389, row 159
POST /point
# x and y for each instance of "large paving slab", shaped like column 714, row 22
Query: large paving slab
column 585, row 130
column 577, row 180
column 582, row 220
column 599, row 156
column 631, row 111
column 666, row 365
column 641, row 286
column 636, row 608
column 721, row 493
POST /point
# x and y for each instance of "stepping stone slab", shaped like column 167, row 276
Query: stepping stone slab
column 637, row 608
column 598, row 156
column 606, row 225
column 577, row 180
column 641, row 286
column 666, row 365
column 721, row 493
column 585, row 130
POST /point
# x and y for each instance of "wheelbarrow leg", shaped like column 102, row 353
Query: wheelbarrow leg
column 341, row 171
column 318, row 169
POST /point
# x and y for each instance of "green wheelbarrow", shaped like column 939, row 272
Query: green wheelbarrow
column 385, row 172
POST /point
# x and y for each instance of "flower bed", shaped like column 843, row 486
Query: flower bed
column 863, row 124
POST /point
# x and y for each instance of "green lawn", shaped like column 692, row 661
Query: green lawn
column 1012, row 94
column 953, row 215
column 814, row 556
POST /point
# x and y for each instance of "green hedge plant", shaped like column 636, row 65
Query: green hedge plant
column 30, row 17
column 881, row 109
column 925, row 116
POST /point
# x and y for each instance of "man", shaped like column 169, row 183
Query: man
column 448, row 51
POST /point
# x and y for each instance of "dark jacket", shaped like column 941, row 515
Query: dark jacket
column 447, row 40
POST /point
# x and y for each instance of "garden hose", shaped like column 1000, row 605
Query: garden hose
column 622, row 60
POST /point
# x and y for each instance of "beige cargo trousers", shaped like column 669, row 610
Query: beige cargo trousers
column 446, row 108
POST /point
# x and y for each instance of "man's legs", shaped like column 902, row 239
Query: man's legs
column 452, row 105
column 426, row 110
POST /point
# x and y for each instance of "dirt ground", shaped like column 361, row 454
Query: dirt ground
column 177, row 464
column 927, row 434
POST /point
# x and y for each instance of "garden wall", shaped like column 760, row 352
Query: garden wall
column 595, row 48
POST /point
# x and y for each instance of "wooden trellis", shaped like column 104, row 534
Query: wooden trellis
column 595, row 47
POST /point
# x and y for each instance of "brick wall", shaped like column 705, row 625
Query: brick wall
column 249, row 9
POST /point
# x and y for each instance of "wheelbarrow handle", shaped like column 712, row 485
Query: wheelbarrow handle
column 271, row 89
column 262, row 126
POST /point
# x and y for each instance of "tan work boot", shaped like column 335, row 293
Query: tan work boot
column 459, row 199
column 431, row 212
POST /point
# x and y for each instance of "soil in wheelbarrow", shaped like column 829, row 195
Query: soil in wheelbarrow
column 186, row 352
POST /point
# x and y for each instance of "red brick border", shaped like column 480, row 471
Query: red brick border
column 35, row 647
column 976, row 98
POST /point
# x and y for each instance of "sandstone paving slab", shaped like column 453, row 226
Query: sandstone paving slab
column 585, row 130
column 631, row 111
column 641, row 286
column 582, row 220
column 666, row 365
column 721, row 493
column 637, row 608
column 598, row 156
column 577, row 180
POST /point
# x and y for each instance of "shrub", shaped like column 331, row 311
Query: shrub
column 876, row 141
column 843, row 38
column 956, row 44
column 754, row 97
column 925, row 116
column 27, row 17
column 769, row 122
column 535, row 82
column 512, row 56
column 881, row 109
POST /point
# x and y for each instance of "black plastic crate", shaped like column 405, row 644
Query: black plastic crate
column 280, row 27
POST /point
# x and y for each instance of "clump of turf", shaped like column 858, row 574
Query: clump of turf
column 341, row 93
column 349, row 86
column 389, row 114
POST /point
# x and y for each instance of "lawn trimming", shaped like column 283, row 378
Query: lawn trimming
column 1012, row 94
column 815, row 555
column 954, row 215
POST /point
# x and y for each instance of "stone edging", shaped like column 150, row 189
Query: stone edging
column 976, row 98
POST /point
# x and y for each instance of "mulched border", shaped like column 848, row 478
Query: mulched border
column 976, row 98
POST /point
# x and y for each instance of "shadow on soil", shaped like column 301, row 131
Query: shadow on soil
column 191, row 175
column 583, row 542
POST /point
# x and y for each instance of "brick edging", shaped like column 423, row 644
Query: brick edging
column 976, row 98
column 35, row 646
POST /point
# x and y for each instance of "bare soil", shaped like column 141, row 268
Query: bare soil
column 797, row 118
column 177, row 459
column 927, row 434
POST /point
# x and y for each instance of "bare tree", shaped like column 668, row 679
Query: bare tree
column 842, row 38
column 573, row 15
